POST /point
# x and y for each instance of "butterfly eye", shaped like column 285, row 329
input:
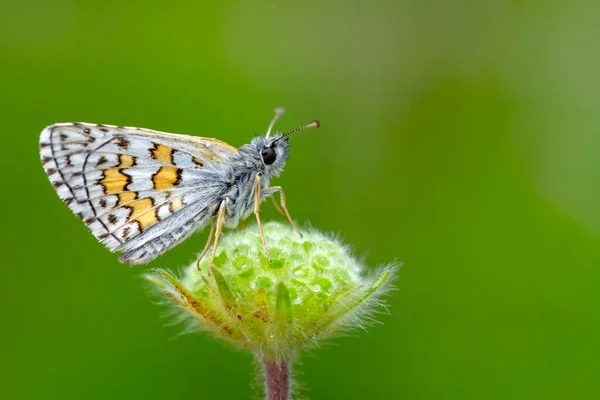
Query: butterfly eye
column 268, row 155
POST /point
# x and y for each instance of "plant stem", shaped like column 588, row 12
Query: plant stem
column 277, row 379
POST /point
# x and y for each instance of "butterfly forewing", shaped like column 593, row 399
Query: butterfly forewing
column 123, row 181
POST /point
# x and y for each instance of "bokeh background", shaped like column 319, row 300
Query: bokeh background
column 459, row 137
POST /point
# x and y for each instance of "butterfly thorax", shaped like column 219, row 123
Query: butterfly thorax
column 245, row 170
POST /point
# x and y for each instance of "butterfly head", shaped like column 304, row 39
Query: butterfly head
column 270, row 153
column 274, row 149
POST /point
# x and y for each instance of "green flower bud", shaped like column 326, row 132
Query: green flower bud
column 312, row 289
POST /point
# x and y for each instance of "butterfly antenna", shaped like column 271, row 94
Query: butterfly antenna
column 278, row 113
column 313, row 124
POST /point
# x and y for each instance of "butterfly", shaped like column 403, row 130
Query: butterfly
column 141, row 192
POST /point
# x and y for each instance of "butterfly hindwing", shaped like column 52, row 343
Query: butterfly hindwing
column 138, row 191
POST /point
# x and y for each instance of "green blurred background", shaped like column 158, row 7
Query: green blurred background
column 459, row 137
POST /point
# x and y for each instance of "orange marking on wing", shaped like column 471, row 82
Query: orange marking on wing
column 114, row 180
column 175, row 204
column 165, row 178
column 143, row 211
column 163, row 154
column 126, row 161
column 126, row 198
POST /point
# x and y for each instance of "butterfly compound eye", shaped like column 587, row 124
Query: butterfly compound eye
column 268, row 155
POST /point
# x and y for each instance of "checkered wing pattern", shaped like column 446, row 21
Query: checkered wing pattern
column 139, row 191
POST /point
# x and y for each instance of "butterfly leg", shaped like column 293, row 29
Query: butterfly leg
column 211, row 235
column 218, row 231
column 279, row 210
column 283, row 204
column 257, row 213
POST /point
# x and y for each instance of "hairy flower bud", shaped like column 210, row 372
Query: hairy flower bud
column 312, row 288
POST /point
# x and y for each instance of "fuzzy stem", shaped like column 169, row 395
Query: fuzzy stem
column 277, row 379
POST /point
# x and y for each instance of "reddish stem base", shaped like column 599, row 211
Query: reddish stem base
column 277, row 379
